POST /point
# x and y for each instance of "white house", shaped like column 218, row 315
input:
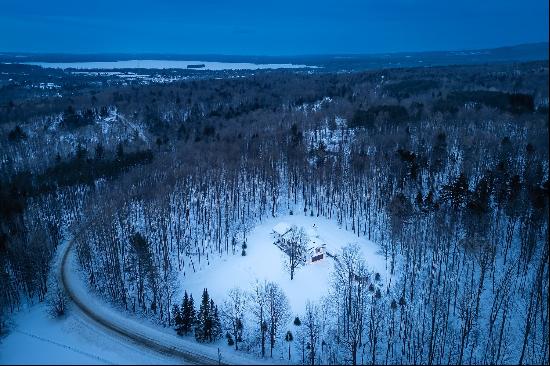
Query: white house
column 280, row 233
column 317, row 252
column 317, row 248
column 281, row 229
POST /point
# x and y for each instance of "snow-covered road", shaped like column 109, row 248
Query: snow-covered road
column 93, row 309
column 119, row 325
column 36, row 338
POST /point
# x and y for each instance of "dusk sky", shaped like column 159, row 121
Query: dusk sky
column 268, row 27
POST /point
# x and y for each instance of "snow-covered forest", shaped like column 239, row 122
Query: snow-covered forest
column 445, row 170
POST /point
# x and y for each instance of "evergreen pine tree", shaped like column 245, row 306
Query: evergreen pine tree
column 211, row 321
column 216, row 323
column 185, row 314
column 208, row 326
column 189, row 317
column 177, row 316
column 203, row 322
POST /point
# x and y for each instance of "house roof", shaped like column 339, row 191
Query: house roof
column 282, row 228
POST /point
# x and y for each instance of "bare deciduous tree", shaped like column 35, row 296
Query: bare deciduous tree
column 233, row 314
column 278, row 312
column 296, row 249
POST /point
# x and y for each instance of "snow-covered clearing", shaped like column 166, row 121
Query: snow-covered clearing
column 265, row 261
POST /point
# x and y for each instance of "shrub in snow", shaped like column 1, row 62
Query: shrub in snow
column 57, row 304
column 402, row 301
column 230, row 341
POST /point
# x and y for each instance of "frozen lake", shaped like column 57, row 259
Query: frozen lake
column 165, row 64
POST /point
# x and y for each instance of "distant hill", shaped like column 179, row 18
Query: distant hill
column 528, row 51
column 518, row 53
column 339, row 62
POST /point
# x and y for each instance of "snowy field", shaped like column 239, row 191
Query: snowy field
column 265, row 261
column 165, row 64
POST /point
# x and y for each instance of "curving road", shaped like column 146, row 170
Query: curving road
column 177, row 351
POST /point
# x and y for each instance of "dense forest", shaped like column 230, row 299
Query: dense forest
column 445, row 168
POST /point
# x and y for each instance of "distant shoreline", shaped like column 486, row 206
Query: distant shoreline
column 165, row 64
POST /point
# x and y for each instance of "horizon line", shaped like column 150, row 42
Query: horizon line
column 32, row 53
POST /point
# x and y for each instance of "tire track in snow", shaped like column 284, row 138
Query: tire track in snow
column 70, row 348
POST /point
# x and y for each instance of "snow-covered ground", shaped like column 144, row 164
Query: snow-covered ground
column 35, row 338
column 46, row 138
column 78, row 339
column 165, row 64
column 144, row 329
column 265, row 261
